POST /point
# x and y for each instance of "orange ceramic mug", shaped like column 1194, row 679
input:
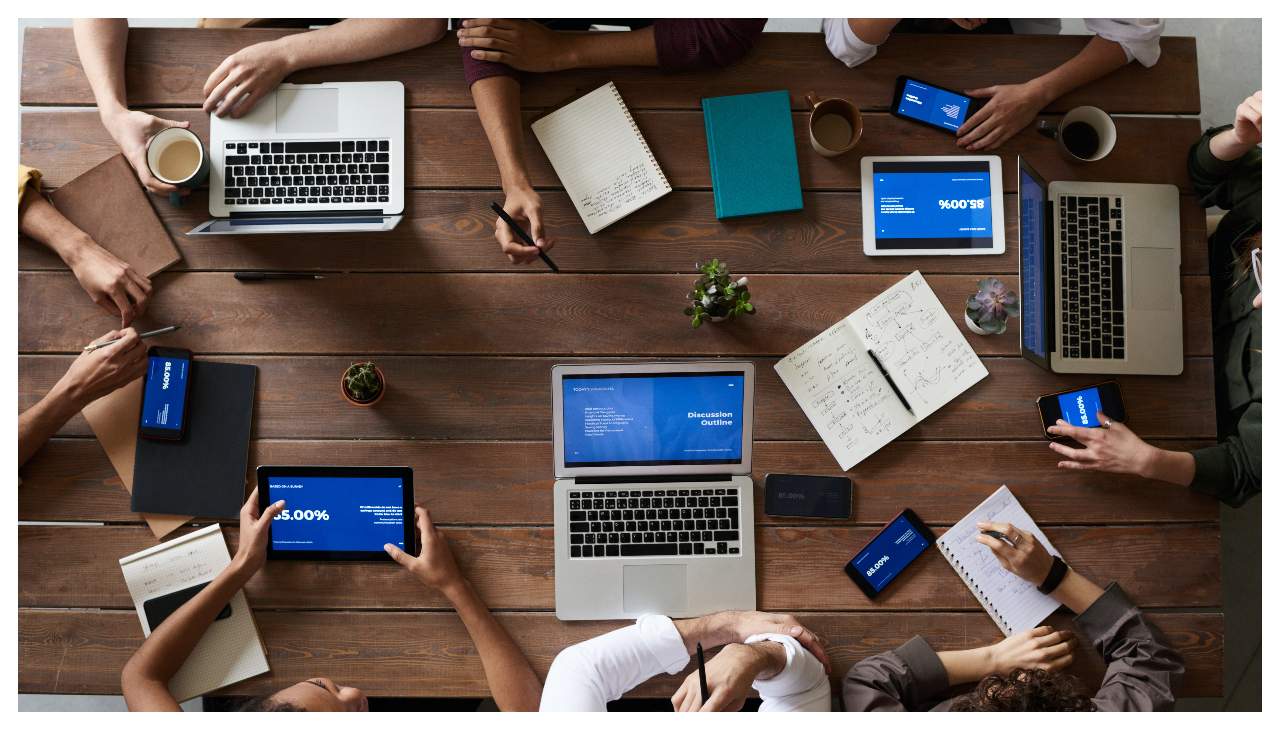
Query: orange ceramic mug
column 835, row 125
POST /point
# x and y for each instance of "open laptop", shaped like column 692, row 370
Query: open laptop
column 653, row 502
column 310, row 158
column 1099, row 268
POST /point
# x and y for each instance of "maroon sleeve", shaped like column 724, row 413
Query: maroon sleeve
column 476, row 69
column 694, row 44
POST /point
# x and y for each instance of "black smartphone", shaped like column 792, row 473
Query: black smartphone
column 889, row 553
column 1080, row 406
column 162, row 607
column 164, row 396
column 799, row 495
column 930, row 105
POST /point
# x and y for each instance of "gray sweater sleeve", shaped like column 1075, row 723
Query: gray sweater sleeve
column 897, row 680
column 1144, row 671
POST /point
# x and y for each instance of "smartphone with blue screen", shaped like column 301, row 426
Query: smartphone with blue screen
column 889, row 553
column 164, row 395
column 1080, row 406
column 930, row 105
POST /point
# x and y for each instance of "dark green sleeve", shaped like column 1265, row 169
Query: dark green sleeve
column 1226, row 184
column 1232, row 470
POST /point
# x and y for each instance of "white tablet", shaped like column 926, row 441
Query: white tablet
column 932, row 205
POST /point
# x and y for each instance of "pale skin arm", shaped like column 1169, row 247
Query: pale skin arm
column 1030, row 561
column 1118, row 449
column 729, row 677
column 1231, row 144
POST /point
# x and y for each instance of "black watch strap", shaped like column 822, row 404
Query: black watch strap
column 1056, row 574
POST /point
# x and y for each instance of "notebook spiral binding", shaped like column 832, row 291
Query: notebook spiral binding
column 639, row 136
column 973, row 588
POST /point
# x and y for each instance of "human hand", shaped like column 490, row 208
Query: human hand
column 96, row 373
column 131, row 130
column 1028, row 559
column 1248, row 125
column 1038, row 648
column 1012, row 107
column 968, row 23
column 742, row 625
column 1116, row 449
column 252, row 553
column 525, row 208
column 110, row 282
column 729, row 677
column 524, row 45
column 434, row 566
column 249, row 74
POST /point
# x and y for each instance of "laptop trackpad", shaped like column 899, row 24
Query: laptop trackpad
column 659, row 589
column 306, row 110
column 1153, row 278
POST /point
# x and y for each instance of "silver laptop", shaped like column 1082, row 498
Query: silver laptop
column 653, row 502
column 310, row 158
column 1099, row 268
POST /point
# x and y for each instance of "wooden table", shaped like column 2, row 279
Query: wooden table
column 467, row 342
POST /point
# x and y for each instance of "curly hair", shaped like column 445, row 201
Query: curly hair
column 1027, row 690
column 265, row 703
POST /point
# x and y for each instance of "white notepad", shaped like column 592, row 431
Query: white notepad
column 602, row 159
column 844, row 394
column 1013, row 603
column 231, row 649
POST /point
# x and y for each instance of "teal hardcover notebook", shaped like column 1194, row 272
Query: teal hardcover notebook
column 752, row 146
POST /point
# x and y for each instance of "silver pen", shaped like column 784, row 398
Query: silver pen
column 142, row 336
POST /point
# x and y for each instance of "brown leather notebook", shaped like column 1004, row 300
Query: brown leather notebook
column 110, row 205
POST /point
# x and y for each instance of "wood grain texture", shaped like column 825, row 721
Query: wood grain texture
column 430, row 655
column 514, row 568
column 452, row 230
column 168, row 67
column 498, row 314
column 509, row 483
column 481, row 398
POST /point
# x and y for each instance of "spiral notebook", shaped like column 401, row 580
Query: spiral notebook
column 1013, row 603
column 601, row 158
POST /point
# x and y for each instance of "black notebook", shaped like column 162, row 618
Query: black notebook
column 203, row 474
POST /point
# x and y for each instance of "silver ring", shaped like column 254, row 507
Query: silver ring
column 1015, row 540
column 1107, row 424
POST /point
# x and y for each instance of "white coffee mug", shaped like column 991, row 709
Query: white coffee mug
column 156, row 147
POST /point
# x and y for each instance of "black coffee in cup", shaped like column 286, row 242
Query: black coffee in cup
column 1081, row 139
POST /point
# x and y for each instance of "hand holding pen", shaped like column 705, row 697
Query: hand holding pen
column 512, row 247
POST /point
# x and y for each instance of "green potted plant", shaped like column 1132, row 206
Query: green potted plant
column 363, row 384
column 986, row 311
column 716, row 296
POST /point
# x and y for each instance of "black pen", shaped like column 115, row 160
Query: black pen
column 892, row 384
column 702, row 675
column 993, row 533
column 143, row 336
column 259, row 276
column 503, row 215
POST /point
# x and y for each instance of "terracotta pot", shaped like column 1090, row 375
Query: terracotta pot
column 342, row 386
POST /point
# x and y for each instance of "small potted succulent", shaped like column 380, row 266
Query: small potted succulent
column 987, row 310
column 716, row 296
column 363, row 384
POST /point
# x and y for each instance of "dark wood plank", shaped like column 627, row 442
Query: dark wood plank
column 168, row 67
column 515, row 313
column 448, row 230
column 440, row 398
column 509, row 483
column 430, row 655
column 514, row 568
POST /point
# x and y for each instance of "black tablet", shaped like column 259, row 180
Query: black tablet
column 338, row 512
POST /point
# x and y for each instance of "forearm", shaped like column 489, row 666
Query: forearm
column 38, row 219
column 101, row 44
column 1098, row 58
column 605, row 49
column 716, row 629
column 1227, row 147
column 873, row 31
column 969, row 665
column 514, row 684
column 40, row 422
column 1174, row 467
column 497, row 101
column 358, row 39
column 1076, row 592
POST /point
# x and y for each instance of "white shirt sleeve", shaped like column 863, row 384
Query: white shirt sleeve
column 586, row 676
column 843, row 44
column 801, row 686
column 1140, row 37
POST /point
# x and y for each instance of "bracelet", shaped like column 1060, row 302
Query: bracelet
column 1056, row 573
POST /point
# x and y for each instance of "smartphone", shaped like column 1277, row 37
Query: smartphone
column 798, row 495
column 164, row 396
column 889, row 553
column 162, row 607
column 932, row 106
column 1080, row 407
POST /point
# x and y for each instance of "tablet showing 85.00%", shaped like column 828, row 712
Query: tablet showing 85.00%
column 961, row 204
column 300, row 514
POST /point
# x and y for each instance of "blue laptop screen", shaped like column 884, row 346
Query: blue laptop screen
column 1031, row 205
column 653, row 419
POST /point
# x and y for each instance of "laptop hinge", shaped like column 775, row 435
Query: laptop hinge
column 1050, row 294
column 655, row 479
column 239, row 215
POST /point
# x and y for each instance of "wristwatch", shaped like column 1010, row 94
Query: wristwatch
column 1057, row 572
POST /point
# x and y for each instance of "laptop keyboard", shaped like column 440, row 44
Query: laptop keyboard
column 1092, row 281
column 636, row 523
column 307, row 173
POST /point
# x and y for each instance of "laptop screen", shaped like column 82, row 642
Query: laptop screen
column 653, row 419
column 1032, row 244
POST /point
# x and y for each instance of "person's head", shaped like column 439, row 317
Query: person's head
column 313, row 695
column 1027, row 690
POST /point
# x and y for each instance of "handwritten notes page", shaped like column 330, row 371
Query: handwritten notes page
column 231, row 649
column 845, row 395
column 1013, row 603
column 601, row 158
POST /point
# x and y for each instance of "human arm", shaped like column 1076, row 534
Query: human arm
column 514, row 684
column 101, row 44
column 1225, row 164
column 92, row 375
column 788, row 677
column 145, row 680
column 258, row 69
column 1118, row 449
column 854, row 40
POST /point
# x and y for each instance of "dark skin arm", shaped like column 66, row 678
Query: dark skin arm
column 526, row 45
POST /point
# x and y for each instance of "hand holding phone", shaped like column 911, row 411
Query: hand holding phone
column 1080, row 407
column 164, row 396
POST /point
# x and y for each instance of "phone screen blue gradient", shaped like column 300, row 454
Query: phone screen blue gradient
column 337, row 513
column 889, row 553
column 670, row 418
column 933, row 105
column 1080, row 407
column 1032, row 252
column 165, row 395
column 933, row 205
